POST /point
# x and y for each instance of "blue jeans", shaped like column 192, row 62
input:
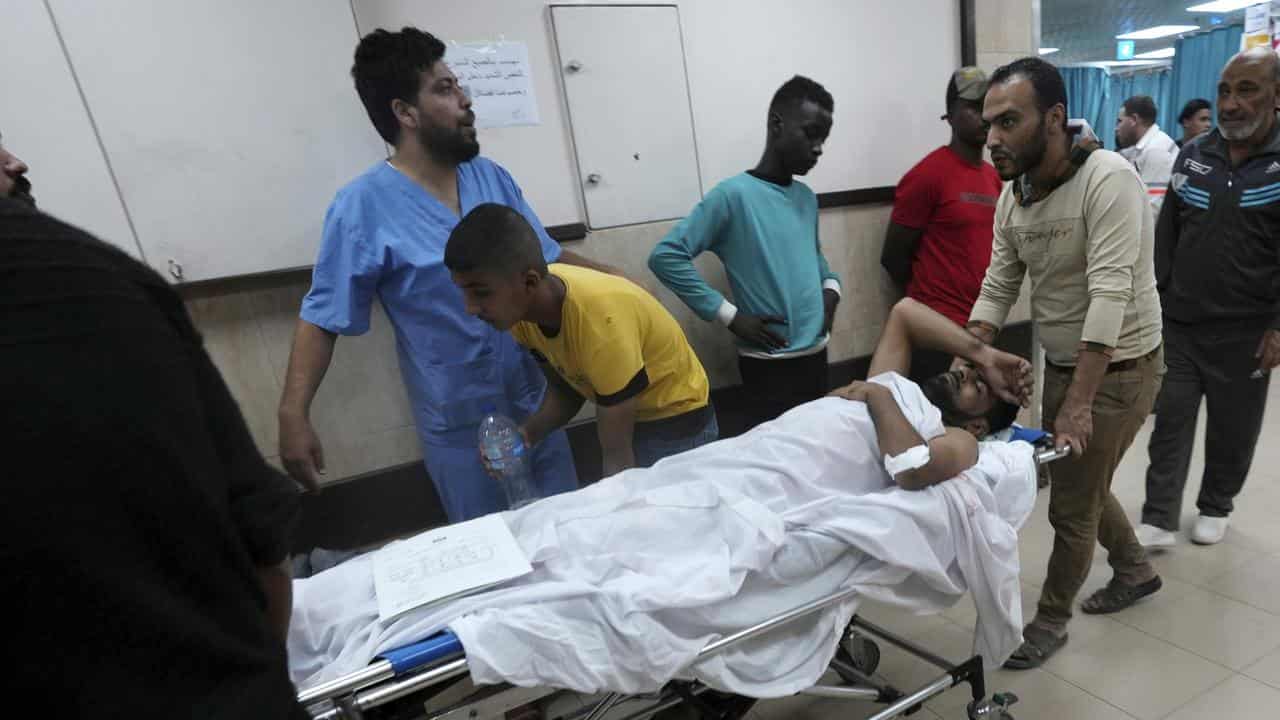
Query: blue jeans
column 466, row 491
column 653, row 441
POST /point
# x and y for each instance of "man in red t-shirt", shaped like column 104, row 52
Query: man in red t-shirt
column 939, row 241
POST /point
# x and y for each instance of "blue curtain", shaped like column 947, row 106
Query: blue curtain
column 1088, row 92
column 1197, row 65
column 1096, row 96
column 1156, row 83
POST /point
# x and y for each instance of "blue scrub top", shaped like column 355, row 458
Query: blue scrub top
column 384, row 235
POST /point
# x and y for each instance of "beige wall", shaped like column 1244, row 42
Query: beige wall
column 1005, row 30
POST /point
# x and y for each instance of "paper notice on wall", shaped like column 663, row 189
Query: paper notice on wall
column 497, row 77
column 1257, row 26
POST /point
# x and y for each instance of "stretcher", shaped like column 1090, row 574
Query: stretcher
column 428, row 680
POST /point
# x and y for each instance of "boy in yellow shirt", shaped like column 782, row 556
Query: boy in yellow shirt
column 606, row 339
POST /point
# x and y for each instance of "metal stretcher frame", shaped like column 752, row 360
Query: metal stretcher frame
column 427, row 667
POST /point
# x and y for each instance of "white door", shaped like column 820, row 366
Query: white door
column 624, row 77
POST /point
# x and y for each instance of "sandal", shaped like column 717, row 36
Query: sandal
column 1037, row 646
column 1117, row 596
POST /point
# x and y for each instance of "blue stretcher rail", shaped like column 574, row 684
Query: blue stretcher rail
column 1029, row 435
column 425, row 652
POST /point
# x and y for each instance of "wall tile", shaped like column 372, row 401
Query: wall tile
column 362, row 392
column 347, row 455
column 853, row 238
column 1004, row 26
column 235, row 344
column 865, row 338
column 275, row 308
column 989, row 61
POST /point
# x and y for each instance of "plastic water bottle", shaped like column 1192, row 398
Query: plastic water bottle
column 503, row 448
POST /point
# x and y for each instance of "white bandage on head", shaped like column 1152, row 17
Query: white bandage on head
column 909, row 459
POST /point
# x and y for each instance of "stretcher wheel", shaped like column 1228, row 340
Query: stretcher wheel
column 997, row 708
column 860, row 652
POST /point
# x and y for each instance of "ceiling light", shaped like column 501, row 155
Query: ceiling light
column 1158, row 31
column 1048, row 51
column 1119, row 63
column 1222, row 6
column 1123, row 63
column 1155, row 54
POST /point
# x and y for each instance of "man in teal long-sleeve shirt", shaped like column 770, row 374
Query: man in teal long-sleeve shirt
column 763, row 225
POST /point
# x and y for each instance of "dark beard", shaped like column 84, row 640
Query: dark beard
column 1028, row 157
column 21, row 191
column 1033, row 154
column 450, row 146
column 937, row 390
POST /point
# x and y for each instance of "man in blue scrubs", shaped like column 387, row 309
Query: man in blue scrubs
column 384, row 236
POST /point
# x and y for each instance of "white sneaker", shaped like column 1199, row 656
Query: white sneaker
column 1154, row 538
column 1209, row 530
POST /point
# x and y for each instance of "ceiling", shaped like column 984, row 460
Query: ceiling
column 1085, row 30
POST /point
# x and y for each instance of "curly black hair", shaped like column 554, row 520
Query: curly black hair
column 388, row 66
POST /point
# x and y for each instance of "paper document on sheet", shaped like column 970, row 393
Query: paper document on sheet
column 446, row 563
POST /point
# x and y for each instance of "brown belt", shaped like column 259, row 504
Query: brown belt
column 1117, row 366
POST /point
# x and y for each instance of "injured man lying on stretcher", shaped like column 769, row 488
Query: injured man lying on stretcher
column 634, row 575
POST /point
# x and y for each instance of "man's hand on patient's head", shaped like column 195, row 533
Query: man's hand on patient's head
column 1009, row 376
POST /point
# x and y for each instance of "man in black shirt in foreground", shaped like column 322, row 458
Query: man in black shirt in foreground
column 142, row 535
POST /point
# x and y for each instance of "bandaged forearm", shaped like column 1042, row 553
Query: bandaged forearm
column 910, row 459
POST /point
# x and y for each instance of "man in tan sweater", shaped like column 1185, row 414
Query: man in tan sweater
column 1075, row 219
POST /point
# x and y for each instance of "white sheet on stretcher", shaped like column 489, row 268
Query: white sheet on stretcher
column 637, row 573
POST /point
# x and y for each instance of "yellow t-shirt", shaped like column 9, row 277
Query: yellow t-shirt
column 610, row 331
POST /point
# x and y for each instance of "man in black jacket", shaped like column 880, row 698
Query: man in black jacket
column 143, row 536
column 1218, row 271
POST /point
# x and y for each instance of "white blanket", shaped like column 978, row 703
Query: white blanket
column 637, row 573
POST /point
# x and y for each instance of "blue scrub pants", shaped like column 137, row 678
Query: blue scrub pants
column 467, row 491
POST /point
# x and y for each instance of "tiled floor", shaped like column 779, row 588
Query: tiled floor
column 1206, row 647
